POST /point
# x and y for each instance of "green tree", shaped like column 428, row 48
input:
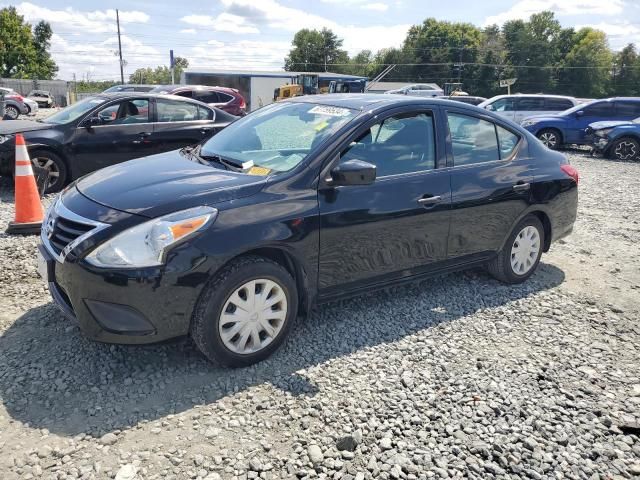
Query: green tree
column 626, row 77
column 161, row 75
column 23, row 52
column 314, row 50
column 588, row 65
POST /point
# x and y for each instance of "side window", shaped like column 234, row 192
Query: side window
column 507, row 141
column 558, row 104
column 207, row 97
column 172, row 111
column 602, row 109
column 205, row 113
column 125, row 112
column 530, row 104
column 503, row 105
column 224, row 98
column 400, row 144
column 628, row 109
column 186, row 94
column 473, row 140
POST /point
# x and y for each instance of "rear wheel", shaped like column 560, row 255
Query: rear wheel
column 550, row 138
column 625, row 149
column 246, row 312
column 54, row 165
column 11, row 112
column 521, row 253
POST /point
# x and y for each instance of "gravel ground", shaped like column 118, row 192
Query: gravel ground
column 456, row 377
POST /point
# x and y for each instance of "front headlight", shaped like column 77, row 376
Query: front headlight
column 144, row 245
column 528, row 123
column 5, row 138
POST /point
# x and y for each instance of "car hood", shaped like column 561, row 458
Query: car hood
column 609, row 124
column 165, row 183
column 9, row 127
column 544, row 118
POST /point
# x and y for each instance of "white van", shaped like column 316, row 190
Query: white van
column 518, row 107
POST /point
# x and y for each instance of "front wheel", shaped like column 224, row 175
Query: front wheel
column 11, row 112
column 550, row 138
column 521, row 254
column 54, row 165
column 625, row 149
column 246, row 312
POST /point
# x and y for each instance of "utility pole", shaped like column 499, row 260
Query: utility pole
column 120, row 47
column 173, row 70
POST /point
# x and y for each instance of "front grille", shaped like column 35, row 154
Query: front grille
column 65, row 231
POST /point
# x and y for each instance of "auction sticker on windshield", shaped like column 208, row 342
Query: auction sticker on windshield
column 331, row 111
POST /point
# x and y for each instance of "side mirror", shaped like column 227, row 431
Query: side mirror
column 579, row 113
column 92, row 122
column 353, row 172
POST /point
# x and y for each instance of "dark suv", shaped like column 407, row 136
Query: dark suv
column 228, row 99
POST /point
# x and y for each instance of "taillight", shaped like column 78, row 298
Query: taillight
column 242, row 104
column 571, row 171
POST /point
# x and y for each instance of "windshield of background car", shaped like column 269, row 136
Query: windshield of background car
column 278, row 137
column 74, row 111
column 577, row 108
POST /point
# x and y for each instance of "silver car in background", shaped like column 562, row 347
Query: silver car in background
column 520, row 106
column 419, row 90
column 14, row 105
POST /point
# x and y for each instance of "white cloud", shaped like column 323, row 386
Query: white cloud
column 376, row 6
column 96, row 21
column 189, row 31
column 523, row 9
column 225, row 22
column 253, row 54
column 274, row 15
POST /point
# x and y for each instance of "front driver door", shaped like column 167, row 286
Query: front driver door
column 578, row 122
column 123, row 132
column 398, row 225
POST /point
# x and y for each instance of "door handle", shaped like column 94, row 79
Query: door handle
column 432, row 200
column 142, row 138
column 521, row 187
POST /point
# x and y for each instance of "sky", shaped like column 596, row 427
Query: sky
column 257, row 34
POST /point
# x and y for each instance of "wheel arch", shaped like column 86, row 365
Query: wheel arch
column 544, row 218
column 556, row 130
column 293, row 265
column 627, row 135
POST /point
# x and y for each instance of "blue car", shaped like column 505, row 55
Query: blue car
column 616, row 139
column 569, row 127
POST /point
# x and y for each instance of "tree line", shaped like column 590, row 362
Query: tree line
column 540, row 53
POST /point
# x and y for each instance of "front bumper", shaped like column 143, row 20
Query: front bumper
column 127, row 306
column 599, row 144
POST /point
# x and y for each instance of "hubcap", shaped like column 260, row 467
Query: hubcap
column 626, row 150
column 525, row 249
column 549, row 139
column 51, row 168
column 253, row 316
column 11, row 112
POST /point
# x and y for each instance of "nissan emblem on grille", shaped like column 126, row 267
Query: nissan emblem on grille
column 48, row 229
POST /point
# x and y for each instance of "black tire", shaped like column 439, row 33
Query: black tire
column 500, row 267
column 550, row 137
column 11, row 112
column 42, row 158
column 206, row 317
column 625, row 148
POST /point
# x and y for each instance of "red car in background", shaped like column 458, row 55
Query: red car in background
column 228, row 99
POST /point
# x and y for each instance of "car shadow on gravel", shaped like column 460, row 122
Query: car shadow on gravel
column 52, row 377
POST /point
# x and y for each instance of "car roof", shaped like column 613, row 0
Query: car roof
column 362, row 101
column 193, row 87
column 543, row 95
column 125, row 95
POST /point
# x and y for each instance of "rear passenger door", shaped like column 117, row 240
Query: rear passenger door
column 179, row 124
column 527, row 107
column 627, row 109
column 490, row 183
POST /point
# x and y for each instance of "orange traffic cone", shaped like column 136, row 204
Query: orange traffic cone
column 29, row 214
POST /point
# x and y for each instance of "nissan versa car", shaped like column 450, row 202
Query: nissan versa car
column 298, row 203
column 106, row 129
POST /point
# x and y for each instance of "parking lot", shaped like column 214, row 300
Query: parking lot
column 453, row 377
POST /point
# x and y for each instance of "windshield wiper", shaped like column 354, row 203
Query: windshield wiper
column 228, row 163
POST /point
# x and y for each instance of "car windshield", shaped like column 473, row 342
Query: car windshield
column 278, row 137
column 74, row 111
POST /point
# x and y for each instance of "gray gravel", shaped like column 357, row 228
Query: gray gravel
column 456, row 377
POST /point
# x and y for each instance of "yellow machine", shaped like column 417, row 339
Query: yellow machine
column 303, row 84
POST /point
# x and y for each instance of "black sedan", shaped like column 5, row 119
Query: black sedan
column 106, row 129
column 301, row 202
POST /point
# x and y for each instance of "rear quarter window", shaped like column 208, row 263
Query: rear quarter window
column 558, row 104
